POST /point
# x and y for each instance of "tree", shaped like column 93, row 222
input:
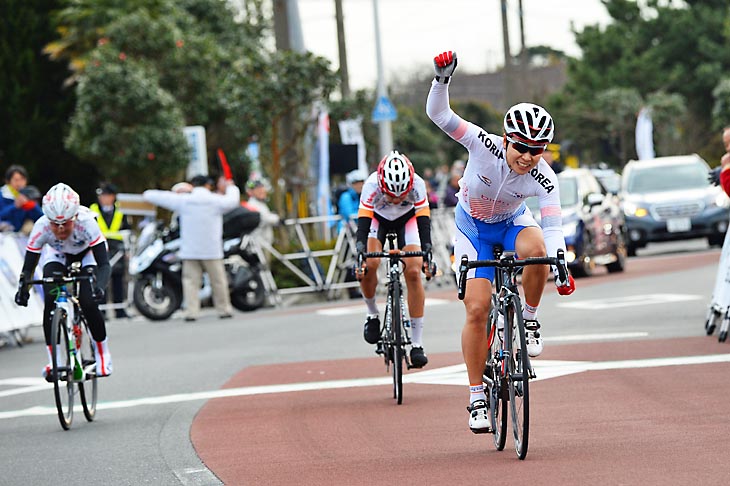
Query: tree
column 126, row 123
column 260, row 93
column 663, row 47
column 34, row 106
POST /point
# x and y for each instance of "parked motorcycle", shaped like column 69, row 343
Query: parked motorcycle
column 157, row 269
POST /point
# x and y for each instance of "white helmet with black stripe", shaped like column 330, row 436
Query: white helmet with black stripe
column 529, row 123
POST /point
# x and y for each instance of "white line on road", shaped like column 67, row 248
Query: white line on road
column 357, row 309
column 450, row 375
column 628, row 301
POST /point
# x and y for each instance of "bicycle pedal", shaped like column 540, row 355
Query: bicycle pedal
column 488, row 430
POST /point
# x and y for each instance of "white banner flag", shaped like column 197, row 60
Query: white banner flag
column 644, row 135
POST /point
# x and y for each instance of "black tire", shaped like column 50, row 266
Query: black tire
column 496, row 392
column 722, row 336
column 716, row 239
column 713, row 317
column 88, row 388
column 63, row 384
column 621, row 255
column 518, row 379
column 631, row 249
column 251, row 297
column 155, row 304
column 398, row 346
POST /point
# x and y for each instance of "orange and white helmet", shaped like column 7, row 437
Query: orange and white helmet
column 529, row 123
column 61, row 203
column 395, row 174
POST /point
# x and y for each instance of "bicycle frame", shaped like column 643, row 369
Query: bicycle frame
column 508, row 369
column 67, row 329
column 395, row 335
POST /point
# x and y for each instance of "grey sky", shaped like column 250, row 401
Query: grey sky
column 413, row 31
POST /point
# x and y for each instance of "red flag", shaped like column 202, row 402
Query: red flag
column 224, row 165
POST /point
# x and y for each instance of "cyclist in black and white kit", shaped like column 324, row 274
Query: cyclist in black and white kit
column 394, row 199
column 69, row 232
column 502, row 171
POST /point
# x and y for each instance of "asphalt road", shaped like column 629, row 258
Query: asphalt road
column 165, row 372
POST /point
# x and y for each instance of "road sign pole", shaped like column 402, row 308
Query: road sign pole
column 384, row 128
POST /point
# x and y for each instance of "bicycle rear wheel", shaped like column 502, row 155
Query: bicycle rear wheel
column 87, row 388
column 518, row 378
column 497, row 390
column 396, row 324
column 62, row 364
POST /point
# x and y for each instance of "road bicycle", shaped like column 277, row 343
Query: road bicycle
column 508, row 370
column 395, row 334
column 73, row 366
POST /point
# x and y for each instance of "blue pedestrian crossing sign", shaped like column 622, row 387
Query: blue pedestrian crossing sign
column 384, row 110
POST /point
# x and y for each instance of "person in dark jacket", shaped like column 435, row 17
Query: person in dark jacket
column 15, row 206
column 112, row 221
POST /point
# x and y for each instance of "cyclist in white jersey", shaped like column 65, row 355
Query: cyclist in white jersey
column 394, row 199
column 69, row 232
column 502, row 171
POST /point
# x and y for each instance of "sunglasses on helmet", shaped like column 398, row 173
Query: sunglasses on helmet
column 522, row 147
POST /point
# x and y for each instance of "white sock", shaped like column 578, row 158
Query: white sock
column 529, row 312
column 476, row 392
column 372, row 306
column 417, row 332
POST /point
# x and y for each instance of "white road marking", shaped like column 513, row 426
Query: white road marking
column 449, row 375
column 360, row 308
column 629, row 301
column 597, row 336
column 26, row 384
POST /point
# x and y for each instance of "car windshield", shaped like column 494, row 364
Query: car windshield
column 667, row 178
column 568, row 191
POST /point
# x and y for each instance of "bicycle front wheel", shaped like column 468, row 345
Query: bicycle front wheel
column 87, row 388
column 62, row 364
column 518, row 377
column 398, row 345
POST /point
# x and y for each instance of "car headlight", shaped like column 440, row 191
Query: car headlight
column 569, row 229
column 722, row 201
column 633, row 209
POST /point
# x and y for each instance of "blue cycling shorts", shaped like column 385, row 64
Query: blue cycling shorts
column 476, row 239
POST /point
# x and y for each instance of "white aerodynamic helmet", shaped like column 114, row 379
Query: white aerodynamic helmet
column 61, row 203
column 529, row 123
column 395, row 174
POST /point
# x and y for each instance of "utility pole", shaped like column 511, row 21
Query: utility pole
column 344, row 77
column 385, row 131
column 524, row 61
column 508, row 74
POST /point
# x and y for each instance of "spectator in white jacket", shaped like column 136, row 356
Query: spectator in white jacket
column 258, row 192
column 201, row 237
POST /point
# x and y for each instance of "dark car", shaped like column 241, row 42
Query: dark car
column 593, row 223
column 670, row 198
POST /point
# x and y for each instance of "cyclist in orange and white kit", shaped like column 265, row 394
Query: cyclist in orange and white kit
column 502, row 171
column 69, row 232
column 394, row 199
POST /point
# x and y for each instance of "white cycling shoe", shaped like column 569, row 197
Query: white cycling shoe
column 103, row 358
column 479, row 417
column 534, row 340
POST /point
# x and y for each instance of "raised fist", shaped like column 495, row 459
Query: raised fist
column 444, row 65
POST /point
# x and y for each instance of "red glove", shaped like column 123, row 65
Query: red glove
column 566, row 288
column 444, row 65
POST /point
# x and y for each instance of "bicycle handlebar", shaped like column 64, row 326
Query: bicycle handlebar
column 510, row 262
column 60, row 279
column 394, row 254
